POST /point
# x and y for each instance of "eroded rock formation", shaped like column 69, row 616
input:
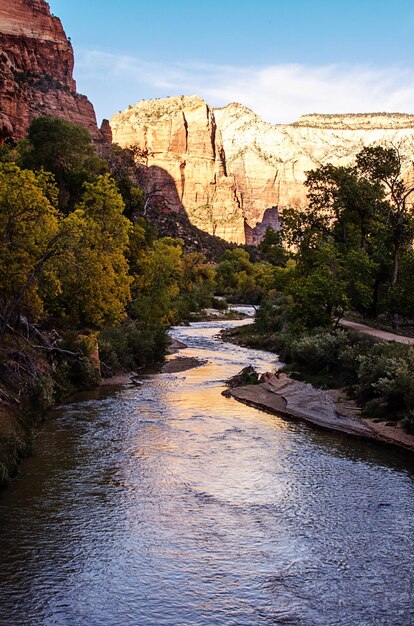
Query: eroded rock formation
column 229, row 165
column 36, row 66
column 178, row 139
column 283, row 153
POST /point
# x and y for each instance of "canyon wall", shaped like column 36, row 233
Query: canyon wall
column 229, row 166
column 36, row 67
column 181, row 149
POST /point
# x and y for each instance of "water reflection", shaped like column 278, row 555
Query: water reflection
column 169, row 504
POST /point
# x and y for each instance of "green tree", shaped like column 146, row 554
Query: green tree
column 95, row 283
column 242, row 280
column 123, row 170
column 273, row 248
column 66, row 150
column 384, row 166
column 29, row 240
column 231, row 263
column 197, row 284
column 343, row 204
column 156, row 270
column 364, row 211
column 319, row 293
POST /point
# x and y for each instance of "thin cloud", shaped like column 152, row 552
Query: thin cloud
column 279, row 93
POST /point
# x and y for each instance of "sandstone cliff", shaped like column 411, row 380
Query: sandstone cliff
column 36, row 65
column 270, row 161
column 229, row 165
column 182, row 148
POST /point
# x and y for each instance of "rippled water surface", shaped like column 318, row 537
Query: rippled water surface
column 168, row 504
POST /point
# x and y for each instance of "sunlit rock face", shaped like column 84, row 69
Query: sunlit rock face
column 36, row 66
column 228, row 165
column 179, row 142
column 270, row 161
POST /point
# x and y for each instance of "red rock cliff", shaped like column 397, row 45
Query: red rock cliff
column 36, row 65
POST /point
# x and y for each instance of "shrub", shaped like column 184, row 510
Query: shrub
column 44, row 392
column 320, row 352
column 129, row 345
column 387, row 380
column 81, row 372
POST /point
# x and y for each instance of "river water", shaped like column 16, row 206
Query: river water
column 168, row 504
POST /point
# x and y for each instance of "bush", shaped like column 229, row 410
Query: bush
column 82, row 372
column 386, row 380
column 220, row 304
column 44, row 392
column 320, row 352
column 128, row 346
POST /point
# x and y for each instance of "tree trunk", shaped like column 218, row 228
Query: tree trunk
column 395, row 264
column 374, row 306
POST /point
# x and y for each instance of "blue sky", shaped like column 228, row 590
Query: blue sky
column 282, row 59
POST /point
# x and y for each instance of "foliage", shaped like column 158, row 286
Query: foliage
column 121, row 165
column 93, row 274
column 354, row 238
column 240, row 279
column 65, row 150
column 196, row 284
column 273, row 248
column 29, row 239
column 129, row 345
column 378, row 374
column 319, row 289
column 156, row 271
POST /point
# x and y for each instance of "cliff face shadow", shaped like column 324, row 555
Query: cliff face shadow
column 164, row 209
column 160, row 190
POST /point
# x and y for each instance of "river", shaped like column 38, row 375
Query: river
column 167, row 504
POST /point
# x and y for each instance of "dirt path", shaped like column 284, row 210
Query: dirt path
column 375, row 332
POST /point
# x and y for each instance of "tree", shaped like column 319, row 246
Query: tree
column 364, row 211
column 66, row 150
column 95, row 283
column 384, row 166
column 196, row 284
column 343, row 203
column 231, row 263
column 241, row 279
column 273, row 249
column 29, row 240
column 319, row 290
column 156, row 271
column 124, row 171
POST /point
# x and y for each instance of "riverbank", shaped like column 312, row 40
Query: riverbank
column 329, row 409
column 28, row 393
column 131, row 489
column 322, row 404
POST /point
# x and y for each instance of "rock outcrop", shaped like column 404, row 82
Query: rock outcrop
column 36, row 66
column 229, row 166
column 180, row 145
column 255, row 235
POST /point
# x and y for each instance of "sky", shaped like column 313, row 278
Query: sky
column 283, row 59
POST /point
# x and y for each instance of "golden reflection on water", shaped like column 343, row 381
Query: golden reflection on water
column 218, row 462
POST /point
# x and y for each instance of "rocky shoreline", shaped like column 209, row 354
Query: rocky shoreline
column 328, row 409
